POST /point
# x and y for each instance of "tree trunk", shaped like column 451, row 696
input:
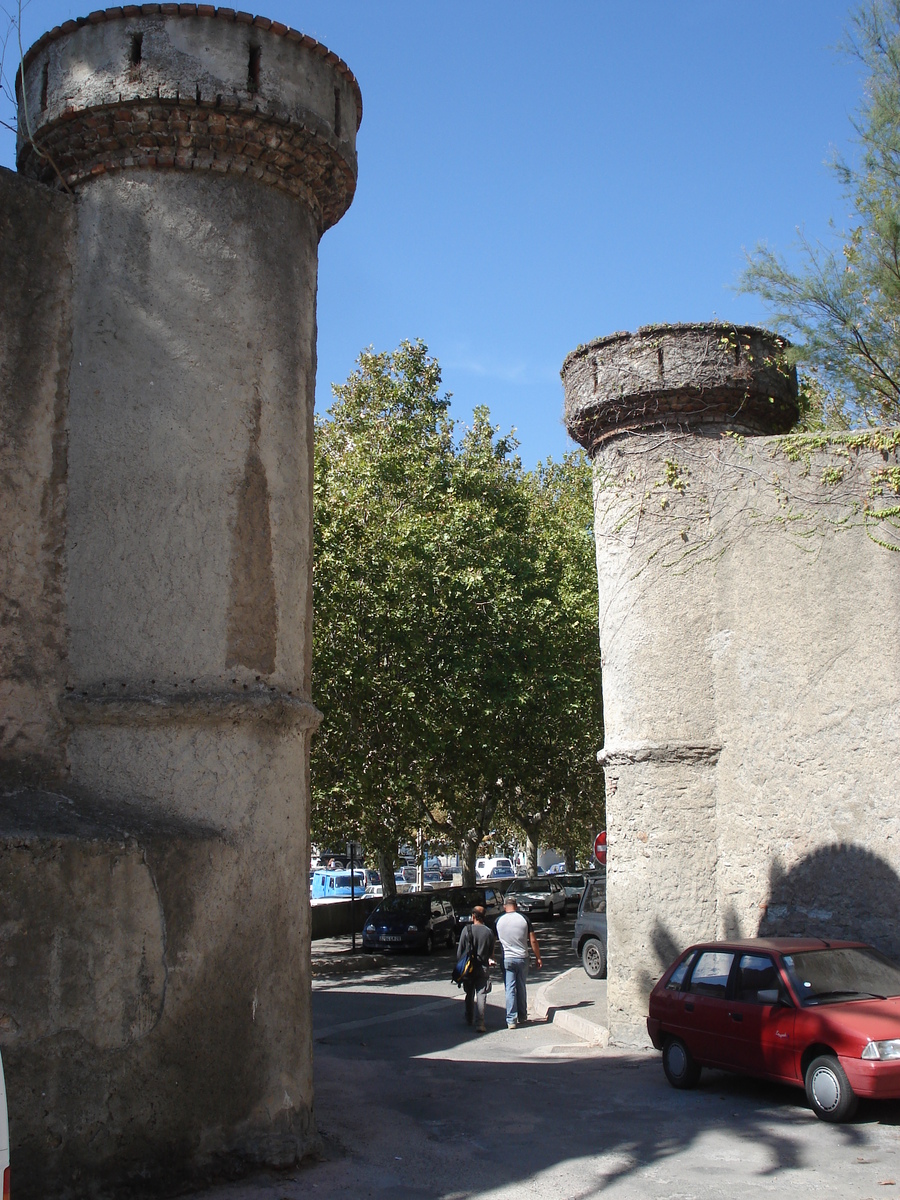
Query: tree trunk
column 531, row 850
column 386, row 871
column 570, row 859
column 468, row 852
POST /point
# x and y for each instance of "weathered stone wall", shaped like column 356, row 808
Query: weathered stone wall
column 36, row 228
column 749, row 625
column 154, row 913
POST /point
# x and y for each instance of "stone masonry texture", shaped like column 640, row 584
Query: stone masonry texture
column 749, row 626
column 177, row 167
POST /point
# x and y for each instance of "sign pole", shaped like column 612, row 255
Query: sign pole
column 352, row 847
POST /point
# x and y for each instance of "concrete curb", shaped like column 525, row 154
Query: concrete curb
column 580, row 1027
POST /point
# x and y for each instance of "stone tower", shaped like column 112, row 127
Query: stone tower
column 156, row 390
column 749, row 625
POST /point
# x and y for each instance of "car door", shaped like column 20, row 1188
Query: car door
column 705, row 1011
column 440, row 923
column 761, row 1020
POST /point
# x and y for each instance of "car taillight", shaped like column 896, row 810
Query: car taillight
column 6, row 1184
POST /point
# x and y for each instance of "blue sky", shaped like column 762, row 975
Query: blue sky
column 535, row 175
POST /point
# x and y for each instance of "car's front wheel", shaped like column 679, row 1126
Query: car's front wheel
column 429, row 943
column 828, row 1090
column 593, row 958
column 679, row 1065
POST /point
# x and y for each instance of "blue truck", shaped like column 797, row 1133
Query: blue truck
column 334, row 885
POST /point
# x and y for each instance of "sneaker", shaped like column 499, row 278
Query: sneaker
column 482, row 1028
column 512, row 1024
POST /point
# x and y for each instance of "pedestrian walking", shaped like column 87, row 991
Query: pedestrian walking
column 478, row 939
column 515, row 934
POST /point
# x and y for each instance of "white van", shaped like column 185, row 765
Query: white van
column 4, row 1136
column 503, row 866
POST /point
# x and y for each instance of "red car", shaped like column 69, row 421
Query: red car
column 819, row 1014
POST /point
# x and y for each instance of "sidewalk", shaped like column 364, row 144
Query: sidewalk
column 575, row 1003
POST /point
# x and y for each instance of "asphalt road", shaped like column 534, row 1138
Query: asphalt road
column 412, row 1104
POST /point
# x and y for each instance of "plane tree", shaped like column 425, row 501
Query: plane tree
column 446, row 592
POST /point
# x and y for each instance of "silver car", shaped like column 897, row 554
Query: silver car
column 540, row 896
column 589, row 940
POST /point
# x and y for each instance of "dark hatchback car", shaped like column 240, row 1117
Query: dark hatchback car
column 413, row 921
column 464, row 899
column 822, row 1015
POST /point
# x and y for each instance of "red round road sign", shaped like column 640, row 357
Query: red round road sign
column 600, row 847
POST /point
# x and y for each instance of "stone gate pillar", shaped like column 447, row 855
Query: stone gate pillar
column 206, row 152
column 656, row 409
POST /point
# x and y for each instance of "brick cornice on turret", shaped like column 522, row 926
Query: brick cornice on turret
column 194, row 137
column 190, row 87
column 679, row 377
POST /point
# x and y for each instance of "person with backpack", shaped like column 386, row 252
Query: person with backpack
column 477, row 940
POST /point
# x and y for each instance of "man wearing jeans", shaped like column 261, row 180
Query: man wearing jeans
column 515, row 934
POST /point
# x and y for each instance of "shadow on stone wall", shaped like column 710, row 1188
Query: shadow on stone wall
column 838, row 891
column 665, row 950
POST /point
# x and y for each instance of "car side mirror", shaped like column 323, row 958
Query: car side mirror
column 772, row 996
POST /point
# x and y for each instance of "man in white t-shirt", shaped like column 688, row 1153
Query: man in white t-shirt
column 515, row 934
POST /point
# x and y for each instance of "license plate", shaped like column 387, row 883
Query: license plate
column 392, row 937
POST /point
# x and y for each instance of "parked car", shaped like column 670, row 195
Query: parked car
column 589, row 936
column 414, row 921
column 821, row 1015
column 485, row 867
column 4, row 1137
column 540, row 896
column 573, row 885
column 464, row 899
column 501, row 873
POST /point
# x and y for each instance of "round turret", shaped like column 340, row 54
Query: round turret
column 679, row 377
column 190, row 87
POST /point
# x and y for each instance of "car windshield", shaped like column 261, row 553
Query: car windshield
column 528, row 885
column 465, row 899
column 406, row 903
column 849, row 973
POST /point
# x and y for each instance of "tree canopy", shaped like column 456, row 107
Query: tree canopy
column 842, row 304
column 455, row 647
